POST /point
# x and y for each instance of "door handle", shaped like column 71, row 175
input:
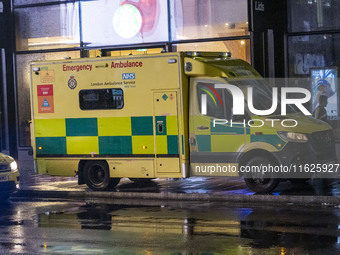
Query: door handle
column 202, row 127
column 160, row 128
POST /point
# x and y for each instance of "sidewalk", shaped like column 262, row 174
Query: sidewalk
column 35, row 186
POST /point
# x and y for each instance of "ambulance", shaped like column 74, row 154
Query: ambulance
column 154, row 116
column 9, row 176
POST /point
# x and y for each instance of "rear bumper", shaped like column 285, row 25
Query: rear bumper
column 9, row 181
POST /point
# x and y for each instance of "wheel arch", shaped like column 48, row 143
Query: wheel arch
column 81, row 165
column 244, row 158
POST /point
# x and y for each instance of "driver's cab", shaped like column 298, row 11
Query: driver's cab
column 220, row 141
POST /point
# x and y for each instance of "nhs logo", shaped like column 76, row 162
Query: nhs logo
column 129, row 76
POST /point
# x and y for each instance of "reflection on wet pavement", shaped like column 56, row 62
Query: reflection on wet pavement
column 81, row 228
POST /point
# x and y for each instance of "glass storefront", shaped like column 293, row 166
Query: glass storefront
column 48, row 30
column 47, row 27
column 312, row 51
column 27, row 2
column 314, row 48
column 193, row 19
column 313, row 15
column 238, row 48
column 114, row 24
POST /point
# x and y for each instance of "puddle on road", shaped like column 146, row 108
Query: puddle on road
column 205, row 231
column 69, row 228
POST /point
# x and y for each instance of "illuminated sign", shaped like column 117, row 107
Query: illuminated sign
column 124, row 22
column 127, row 21
column 133, row 17
column 324, row 83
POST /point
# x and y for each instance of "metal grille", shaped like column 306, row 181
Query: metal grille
column 323, row 141
column 4, row 167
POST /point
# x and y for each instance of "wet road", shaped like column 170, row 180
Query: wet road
column 183, row 228
column 226, row 186
column 223, row 186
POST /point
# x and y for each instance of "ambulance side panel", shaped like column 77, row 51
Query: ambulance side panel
column 127, row 111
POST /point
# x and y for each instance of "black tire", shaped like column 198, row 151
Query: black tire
column 96, row 175
column 260, row 183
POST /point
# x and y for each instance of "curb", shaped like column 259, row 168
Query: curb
column 266, row 199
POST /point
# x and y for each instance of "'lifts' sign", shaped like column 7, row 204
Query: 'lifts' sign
column 259, row 6
column 267, row 14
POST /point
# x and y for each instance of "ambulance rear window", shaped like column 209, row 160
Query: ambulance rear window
column 101, row 99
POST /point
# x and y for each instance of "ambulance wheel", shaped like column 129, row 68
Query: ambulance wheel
column 96, row 175
column 260, row 182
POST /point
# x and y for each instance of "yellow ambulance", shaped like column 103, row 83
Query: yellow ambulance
column 9, row 176
column 141, row 117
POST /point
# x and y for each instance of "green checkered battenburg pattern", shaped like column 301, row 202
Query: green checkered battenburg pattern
column 223, row 138
column 120, row 136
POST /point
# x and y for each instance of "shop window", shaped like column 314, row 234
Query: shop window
column 47, row 27
column 26, row 2
column 315, row 59
column 239, row 49
column 119, row 53
column 208, row 19
column 312, row 51
column 101, row 99
column 124, row 22
column 313, row 15
column 23, row 88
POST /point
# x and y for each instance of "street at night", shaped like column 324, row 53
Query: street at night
column 170, row 127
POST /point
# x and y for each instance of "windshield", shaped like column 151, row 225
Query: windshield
column 262, row 95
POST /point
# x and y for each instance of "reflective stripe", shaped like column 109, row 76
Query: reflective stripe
column 106, row 136
column 82, row 145
column 50, row 127
column 115, row 126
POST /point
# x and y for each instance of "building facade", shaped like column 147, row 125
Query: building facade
column 271, row 35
